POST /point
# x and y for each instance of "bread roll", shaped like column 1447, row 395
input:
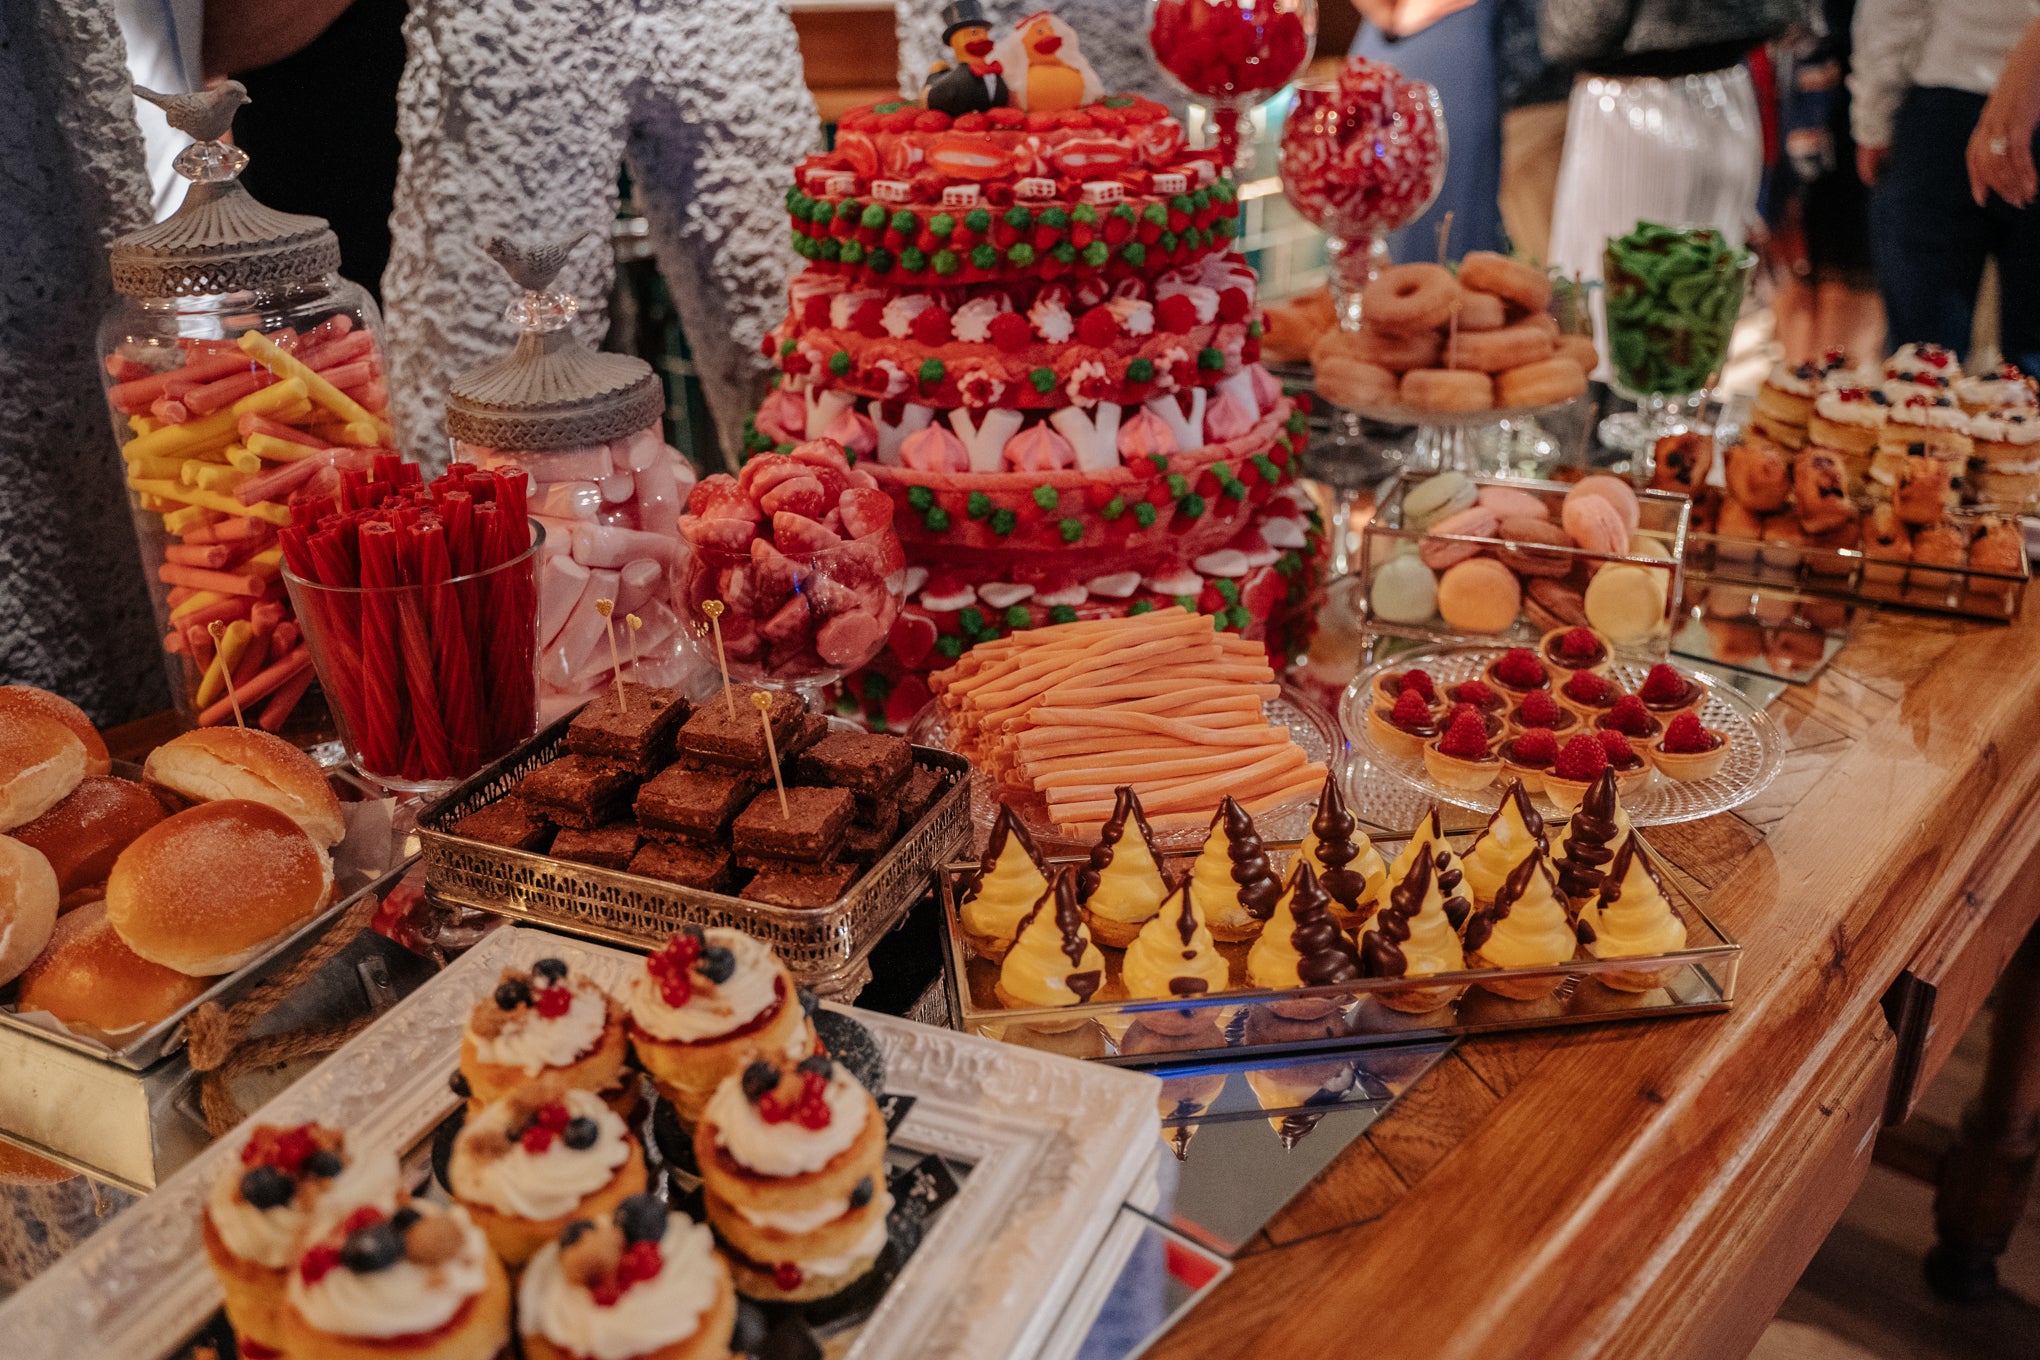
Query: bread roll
column 208, row 889
column 97, row 761
column 244, row 762
column 25, row 1168
column 41, row 761
column 28, row 906
column 94, row 983
column 82, row 835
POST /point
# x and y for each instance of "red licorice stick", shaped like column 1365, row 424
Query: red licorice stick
column 426, row 701
column 277, row 711
column 381, row 727
column 261, row 687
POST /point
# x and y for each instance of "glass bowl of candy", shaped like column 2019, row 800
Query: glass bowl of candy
column 1231, row 55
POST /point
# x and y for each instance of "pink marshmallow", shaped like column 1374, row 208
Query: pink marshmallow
column 659, row 499
column 569, row 651
column 618, row 487
column 598, row 545
column 639, row 451
column 568, row 500
column 560, row 583
column 637, row 582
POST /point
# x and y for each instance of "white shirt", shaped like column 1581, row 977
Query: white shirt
column 162, row 39
column 1950, row 44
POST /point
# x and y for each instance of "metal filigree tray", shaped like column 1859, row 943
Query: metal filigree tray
column 823, row 947
column 1053, row 1148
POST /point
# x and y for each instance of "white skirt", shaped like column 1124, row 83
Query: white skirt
column 1685, row 152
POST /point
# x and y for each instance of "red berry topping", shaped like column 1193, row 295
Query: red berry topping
column 815, row 312
column 641, row 1261
column 553, row 1116
column 537, row 1138
column 1410, row 710
column 1686, row 737
column 1098, row 327
column 317, row 1263
column 1473, row 692
column 1466, row 738
column 1458, row 711
column 931, row 326
column 1588, row 688
column 1175, row 314
column 1630, row 716
column 1580, row 644
column 869, row 320
column 1663, row 685
column 1582, row 760
column 284, row 1149
column 1534, row 746
column 1233, row 304
column 787, row 1276
column 1420, row 681
column 554, row 1002
column 1539, row 709
column 1010, row 332
column 1621, row 754
column 671, row 966
column 1521, row 668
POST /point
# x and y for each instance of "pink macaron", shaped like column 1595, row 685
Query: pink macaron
column 1475, row 521
column 1511, row 502
column 1596, row 525
column 1613, row 490
column 1479, row 596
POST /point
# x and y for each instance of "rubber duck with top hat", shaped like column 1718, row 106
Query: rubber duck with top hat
column 974, row 83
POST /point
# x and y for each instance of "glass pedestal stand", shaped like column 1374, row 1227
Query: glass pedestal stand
column 1657, row 415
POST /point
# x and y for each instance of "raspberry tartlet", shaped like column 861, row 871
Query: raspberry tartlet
column 1528, row 756
column 1567, row 651
column 1402, row 729
column 1478, row 693
column 1667, row 693
column 1539, row 709
column 1689, row 751
column 1462, row 759
column 1578, row 764
column 1632, row 771
column 1632, row 720
column 1589, row 694
column 1389, row 687
column 1516, row 673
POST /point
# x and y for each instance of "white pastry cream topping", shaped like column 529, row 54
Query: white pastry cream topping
column 649, row 1315
column 532, row 1042
column 404, row 1298
column 544, row 1175
column 712, row 1009
column 788, row 1147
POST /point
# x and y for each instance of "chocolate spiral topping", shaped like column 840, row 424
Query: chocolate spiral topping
column 1259, row 888
column 1068, row 919
column 1630, row 853
column 1326, row 955
column 1381, row 948
column 1482, row 925
column 1334, row 827
column 1003, row 826
column 1186, row 917
column 1584, row 853
column 1125, row 803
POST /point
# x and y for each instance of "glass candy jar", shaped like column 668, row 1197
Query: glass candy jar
column 244, row 377
column 584, row 426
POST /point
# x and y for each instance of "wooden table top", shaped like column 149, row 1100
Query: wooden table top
column 1654, row 1189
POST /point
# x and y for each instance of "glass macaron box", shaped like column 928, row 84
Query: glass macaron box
column 1449, row 556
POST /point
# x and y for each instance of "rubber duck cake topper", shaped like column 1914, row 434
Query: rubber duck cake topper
column 1036, row 67
column 974, row 82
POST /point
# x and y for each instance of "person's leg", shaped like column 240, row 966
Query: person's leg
column 1533, row 143
column 1456, row 54
column 1849, row 318
column 1930, row 238
column 1793, row 307
column 2016, row 242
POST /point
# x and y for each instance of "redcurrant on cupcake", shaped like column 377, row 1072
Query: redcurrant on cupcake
column 708, row 1002
column 1462, row 759
column 1516, row 672
column 1539, row 709
column 1688, row 750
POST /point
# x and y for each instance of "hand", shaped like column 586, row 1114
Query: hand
column 1870, row 162
column 2000, row 153
column 1401, row 18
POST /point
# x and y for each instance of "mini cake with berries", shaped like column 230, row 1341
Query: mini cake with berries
column 792, row 1161
column 1589, row 694
column 707, row 1003
column 1389, row 687
column 1477, row 693
column 643, row 1284
column 1528, row 757
column 1404, row 727
column 417, row 1283
column 1567, row 651
column 1580, row 761
column 1461, row 758
column 528, row 1163
column 1517, row 672
column 1667, row 693
column 1688, row 750
column 1632, row 719
column 1539, row 709
column 287, row 1182
column 544, row 1022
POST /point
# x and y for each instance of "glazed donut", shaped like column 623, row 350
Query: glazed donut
column 1510, row 280
column 1398, row 352
column 1354, row 383
column 1758, row 475
column 1407, row 298
column 1580, row 349
column 1544, row 383
column 1446, row 389
column 1494, row 351
column 1480, row 311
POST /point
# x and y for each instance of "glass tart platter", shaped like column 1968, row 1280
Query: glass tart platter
column 1756, row 747
column 1313, row 729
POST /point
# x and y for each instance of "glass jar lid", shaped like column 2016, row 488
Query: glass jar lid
column 551, row 391
column 220, row 240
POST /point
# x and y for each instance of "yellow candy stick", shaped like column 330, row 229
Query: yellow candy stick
column 203, row 600
column 230, row 641
column 212, row 476
column 362, row 427
column 182, row 520
column 275, row 450
column 219, row 428
column 211, row 500
column 168, row 469
column 140, row 424
column 264, row 564
column 244, row 458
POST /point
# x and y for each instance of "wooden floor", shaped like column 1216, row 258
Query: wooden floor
column 1863, row 1297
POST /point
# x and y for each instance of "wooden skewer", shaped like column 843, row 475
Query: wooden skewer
column 634, row 623
column 714, row 610
column 216, row 629
column 764, row 704
column 607, row 609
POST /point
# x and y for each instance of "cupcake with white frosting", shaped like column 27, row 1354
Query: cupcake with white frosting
column 527, row 1165
column 287, row 1184
column 792, row 1164
column 418, row 1283
column 644, row 1284
column 546, row 1022
column 708, row 1002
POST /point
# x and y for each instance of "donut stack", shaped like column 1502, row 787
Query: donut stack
column 1432, row 341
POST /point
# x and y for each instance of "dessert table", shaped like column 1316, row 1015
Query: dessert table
column 1656, row 1190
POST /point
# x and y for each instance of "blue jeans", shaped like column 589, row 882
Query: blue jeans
column 1931, row 239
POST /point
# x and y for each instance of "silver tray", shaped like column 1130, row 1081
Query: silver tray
column 1348, row 1015
column 1848, row 574
column 825, row 948
column 1054, row 1148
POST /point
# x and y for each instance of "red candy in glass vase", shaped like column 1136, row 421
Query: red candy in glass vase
column 1231, row 54
column 1362, row 155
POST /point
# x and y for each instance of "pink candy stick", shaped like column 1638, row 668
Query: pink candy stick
column 560, row 583
column 346, row 376
column 134, row 397
column 637, row 581
column 231, row 531
column 215, row 396
column 169, row 410
column 346, row 350
column 371, row 396
column 602, row 545
column 581, row 635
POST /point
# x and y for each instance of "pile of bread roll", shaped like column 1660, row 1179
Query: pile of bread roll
column 121, row 901
column 1434, row 342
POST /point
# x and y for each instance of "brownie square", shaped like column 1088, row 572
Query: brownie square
column 881, row 816
column 690, row 866
column 640, row 734
column 866, row 844
column 607, row 847
column 737, row 741
column 579, row 791
column 866, row 763
column 924, row 788
column 810, row 829
column 812, row 728
column 507, row 822
column 693, row 805
column 802, row 887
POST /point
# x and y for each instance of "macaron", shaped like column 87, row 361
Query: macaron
column 1511, row 501
column 1626, row 603
column 1436, row 497
column 1613, row 490
column 1526, row 531
column 1403, row 591
column 1479, row 595
column 1596, row 525
column 1475, row 521
column 1555, row 604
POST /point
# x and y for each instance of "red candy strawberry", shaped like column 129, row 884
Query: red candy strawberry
column 1175, row 313
column 1663, row 685
column 869, row 320
column 1629, row 716
column 815, row 312
column 1466, row 738
column 1686, row 737
column 1582, row 760
column 931, row 327
column 1010, row 332
column 1539, row 709
column 1520, row 668
column 1233, row 305
column 1098, row 327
